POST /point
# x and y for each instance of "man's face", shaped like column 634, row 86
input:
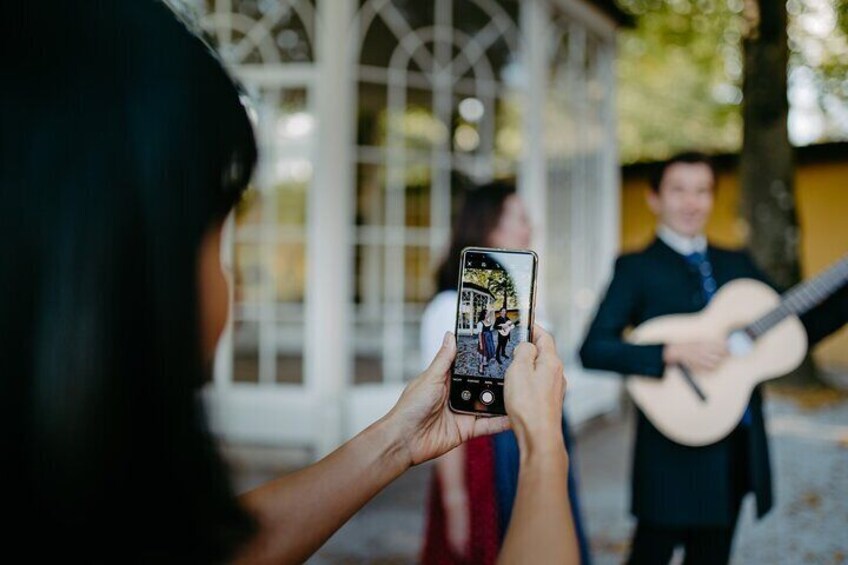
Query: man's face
column 685, row 198
column 503, row 312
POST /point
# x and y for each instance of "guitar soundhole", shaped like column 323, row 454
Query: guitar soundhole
column 739, row 343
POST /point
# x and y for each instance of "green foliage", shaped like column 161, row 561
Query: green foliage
column 680, row 72
column 679, row 76
column 841, row 9
column 503, row 287
column 480, row 277
column 818, row 42
column 497, row 282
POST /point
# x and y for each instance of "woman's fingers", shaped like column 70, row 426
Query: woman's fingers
column 543, row 341
column 524, row 357
column 540, row 334
column 441, row 363
column 488, row 426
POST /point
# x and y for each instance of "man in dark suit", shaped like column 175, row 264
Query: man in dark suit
column 685, row 495
column 502, row 323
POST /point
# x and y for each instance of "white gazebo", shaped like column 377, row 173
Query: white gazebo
column 366, row 112
column 473, row 300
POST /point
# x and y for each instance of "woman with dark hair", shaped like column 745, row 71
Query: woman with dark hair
column 123, row 147
column 485, row 338
column 474, row 486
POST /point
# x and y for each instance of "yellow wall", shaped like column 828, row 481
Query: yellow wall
column 822, row 195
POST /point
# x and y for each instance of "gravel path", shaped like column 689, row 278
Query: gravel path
column 467, row 358
column 808, row 524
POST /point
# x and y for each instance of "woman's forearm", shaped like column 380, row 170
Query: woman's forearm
column 299, row 512
column 450, row 469
column 541, row 529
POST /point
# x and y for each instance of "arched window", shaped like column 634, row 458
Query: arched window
column 438, row 87
column 269, row 46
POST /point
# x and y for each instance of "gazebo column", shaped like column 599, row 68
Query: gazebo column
column 533, row 182
column 329, row 316
column 610, row 234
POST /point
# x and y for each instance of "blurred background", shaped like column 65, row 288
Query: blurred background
column 373, row 115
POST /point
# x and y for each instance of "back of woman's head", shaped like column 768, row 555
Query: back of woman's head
column 479, row 214
column 123, row 142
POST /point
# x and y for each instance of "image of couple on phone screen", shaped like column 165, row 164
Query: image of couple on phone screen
column 494, row 305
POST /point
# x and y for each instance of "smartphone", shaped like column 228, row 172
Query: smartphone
column 494, row 313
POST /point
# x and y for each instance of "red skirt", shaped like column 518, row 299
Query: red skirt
column 484, row 543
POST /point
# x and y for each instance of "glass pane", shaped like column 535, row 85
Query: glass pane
column 412, row 122
column 372, row 103
column 370, row 195
column 289, row 368
column 378, row 44
column 419, row 276
column 261, row 31
column 289, row 272
column 368, row 266
column 291, row 196
column 292, row 31
column 293, row 123
column 250, row 273
column 420, row 128
column 508, row 138
column 367, row 369
column 473, row 133
column 246, row 352
column 473, row 18
column 249, row 208
column 418, row 205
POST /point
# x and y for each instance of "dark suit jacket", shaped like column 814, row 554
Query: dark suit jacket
column 827, row 317
column 677, row 485
column 499, row 323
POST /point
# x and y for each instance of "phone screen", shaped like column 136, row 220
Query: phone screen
column 494, row 315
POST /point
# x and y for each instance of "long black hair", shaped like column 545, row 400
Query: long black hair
column 479, row 214
column 123, row 141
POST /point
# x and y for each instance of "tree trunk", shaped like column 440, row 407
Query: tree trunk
column 767, row 167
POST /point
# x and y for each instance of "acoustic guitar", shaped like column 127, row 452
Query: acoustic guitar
column 507, row 328
column 764, row 337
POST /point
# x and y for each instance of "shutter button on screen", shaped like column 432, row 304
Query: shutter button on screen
column 487, row 397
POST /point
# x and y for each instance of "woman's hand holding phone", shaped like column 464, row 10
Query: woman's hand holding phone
column 427, row 426
column 534, row 393
column 541, row 529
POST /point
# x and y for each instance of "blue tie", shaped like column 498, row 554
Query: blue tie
column 699, row 263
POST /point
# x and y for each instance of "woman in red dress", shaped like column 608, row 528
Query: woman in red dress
column 473, row 487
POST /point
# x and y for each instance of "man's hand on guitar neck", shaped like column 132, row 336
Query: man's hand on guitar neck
column 699, row 356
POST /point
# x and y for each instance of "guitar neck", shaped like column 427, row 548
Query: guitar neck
column 801, row 298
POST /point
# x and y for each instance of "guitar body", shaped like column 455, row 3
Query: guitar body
column 507, row 328
column 671, row 404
